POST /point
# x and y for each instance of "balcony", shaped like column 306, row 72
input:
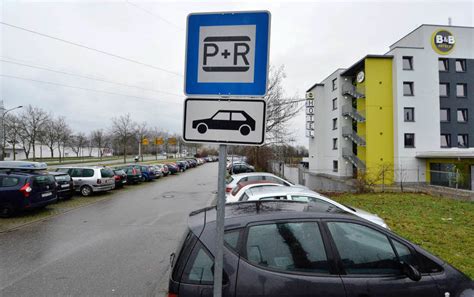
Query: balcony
column 348, row 110
column 351, row 157
column 348, row 132
column 352, row 91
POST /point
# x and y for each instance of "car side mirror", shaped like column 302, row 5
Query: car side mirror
column 411, row 272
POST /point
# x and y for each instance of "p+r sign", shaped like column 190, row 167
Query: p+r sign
column 227, row 54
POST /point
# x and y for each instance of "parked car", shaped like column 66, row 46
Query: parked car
column 25, row 185
column 241, row 187
column 157, row 171
column 120, row 178
column 181, row 165
column 241, row 168
column 172, row 168
column 233, row 180
column 305, row 195
column 164, row 169
column 134, row 174
column 90, row 179
column 276, row 248
column 192, row 162
column 64, row 185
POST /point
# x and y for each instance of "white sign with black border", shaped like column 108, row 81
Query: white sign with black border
column 225, row 121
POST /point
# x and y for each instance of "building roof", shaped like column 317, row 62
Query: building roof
column 453, row 153
column 359, row 65
column 321, row 84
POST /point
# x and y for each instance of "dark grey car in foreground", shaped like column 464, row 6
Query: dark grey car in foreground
column 276, row 248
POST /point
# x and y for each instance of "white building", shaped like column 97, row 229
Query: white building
column 407, row 114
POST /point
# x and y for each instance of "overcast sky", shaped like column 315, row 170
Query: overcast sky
column 311, row 39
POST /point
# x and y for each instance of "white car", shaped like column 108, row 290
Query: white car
column 237, row 192
column 234, row 179
column 304, row 195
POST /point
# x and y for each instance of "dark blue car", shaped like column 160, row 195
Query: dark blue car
column 275, row 248
column 25, row 190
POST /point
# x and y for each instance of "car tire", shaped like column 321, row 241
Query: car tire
column 86, row 191
column 202, row 128
column 6, row 211
column 244, row 130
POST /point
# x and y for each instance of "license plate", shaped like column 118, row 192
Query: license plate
column 46, row 194
column 64, row 186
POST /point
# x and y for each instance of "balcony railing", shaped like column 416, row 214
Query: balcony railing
column 352, row 135
column 351, row 157
column 348, row 110
column 355, row 92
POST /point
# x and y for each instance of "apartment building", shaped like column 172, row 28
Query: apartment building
column 404, row 116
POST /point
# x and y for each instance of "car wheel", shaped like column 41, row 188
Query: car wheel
column 6, row 211
column 244, row 130
column 202, row 128
column 86, row 191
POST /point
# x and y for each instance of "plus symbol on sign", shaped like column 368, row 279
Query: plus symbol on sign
column 226, row 54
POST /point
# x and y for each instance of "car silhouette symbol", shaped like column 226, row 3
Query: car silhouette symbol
column 237, row 120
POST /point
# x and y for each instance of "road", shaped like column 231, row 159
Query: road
column 116, row 247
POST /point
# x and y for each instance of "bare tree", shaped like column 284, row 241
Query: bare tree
column 32, row 120
column 51, row 135
column 77, row 142
column 99, row 140
column 64, row 134
column 280, row 107
column 123, row 129
column 13, row 132
column 141, row 133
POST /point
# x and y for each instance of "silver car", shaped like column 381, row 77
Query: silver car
column 305, row 195
column 90, row 179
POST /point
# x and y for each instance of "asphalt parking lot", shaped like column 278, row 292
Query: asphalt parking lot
column 115, row 247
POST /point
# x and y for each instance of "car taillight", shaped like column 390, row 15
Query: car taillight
column 26, row 190
column 117, row 177
column 228, row 189
column 134, row 171
column 172, row 295
column 99, row 181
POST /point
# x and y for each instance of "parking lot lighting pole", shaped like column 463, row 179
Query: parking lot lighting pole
column 219, row 256
column 4, row 137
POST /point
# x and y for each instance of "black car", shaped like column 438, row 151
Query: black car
column 120, row 178
column 227, row 120
column 240, row 168
column 22, row 189
column 182, row 165
column 64, row 184
column 275, row 248
column 134, row 174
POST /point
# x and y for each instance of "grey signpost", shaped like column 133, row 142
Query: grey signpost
column 226, row 70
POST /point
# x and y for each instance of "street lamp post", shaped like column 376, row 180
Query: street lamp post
column 4, row 138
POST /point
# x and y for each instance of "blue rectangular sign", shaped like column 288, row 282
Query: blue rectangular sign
column 227, row 54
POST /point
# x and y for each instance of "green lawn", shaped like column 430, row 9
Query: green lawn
column 445, row 227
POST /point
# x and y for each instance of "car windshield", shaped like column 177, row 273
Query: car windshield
column 62, row 177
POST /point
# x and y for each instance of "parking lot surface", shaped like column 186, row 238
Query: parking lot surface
column 116, row 247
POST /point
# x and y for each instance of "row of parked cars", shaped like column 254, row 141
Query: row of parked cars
column 283, row 239
column 29, row 185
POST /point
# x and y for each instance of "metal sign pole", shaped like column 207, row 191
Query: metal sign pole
column 219, row 255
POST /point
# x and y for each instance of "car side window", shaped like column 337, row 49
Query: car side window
column 364, row 250
column 222, row 116
column 274, row 198
column 276, row 180
column 76, row 172
column 287, row 246
column 244, row 197
column 404, row 254
column 199, row 267
column 254, row 178
column 88, row 173
column 8, row 181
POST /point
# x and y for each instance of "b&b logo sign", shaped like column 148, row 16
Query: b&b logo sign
column 443, row 41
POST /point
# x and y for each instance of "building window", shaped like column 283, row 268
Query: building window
column 335, row 166
column 334, row 143
column 445, row 140
column 463, row 140
column 334, row 124
column 445, row 115
column 461, row 90
column 408, row 88
column 443, row 89
column 407, row 63
column 409, row 140
column 334, row 84
column 409, row 114
column 462, row 115
column 461, row 65
column 334, row 104
column 443, row 65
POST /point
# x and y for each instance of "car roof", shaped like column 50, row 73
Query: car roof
column 252, row 174
column 239, row 214
column 83, row 167
column 57, row 173
column 22, row 165
column 255, row 182
column 280, row 191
